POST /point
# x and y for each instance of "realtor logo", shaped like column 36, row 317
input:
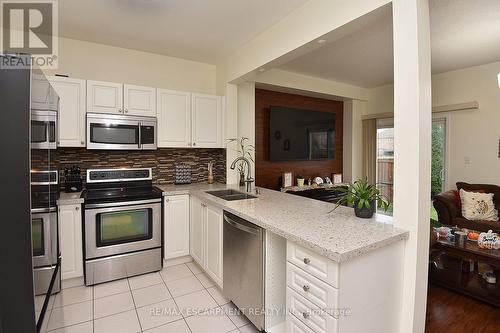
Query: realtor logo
column 30, row 27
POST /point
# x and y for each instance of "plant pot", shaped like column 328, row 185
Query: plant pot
column 242, row 179
column 365, row 212
column 300, row 182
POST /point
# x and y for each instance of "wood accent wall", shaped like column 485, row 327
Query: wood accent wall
column 268, row 173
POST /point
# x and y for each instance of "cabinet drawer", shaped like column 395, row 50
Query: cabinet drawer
column 309, row 314
column 311, row 288
column 293, row 325
column 316, row 265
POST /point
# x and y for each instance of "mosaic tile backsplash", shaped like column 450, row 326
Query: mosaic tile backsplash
column 162, row 161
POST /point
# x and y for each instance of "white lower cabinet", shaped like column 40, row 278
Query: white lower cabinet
column 206, row 242
column 70, row 241
column 196, row 239
column 361, row 294
column 214, row 255
column 293, row 325
column 176, row 226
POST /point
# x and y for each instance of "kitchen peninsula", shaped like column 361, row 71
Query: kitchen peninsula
column 330, row 270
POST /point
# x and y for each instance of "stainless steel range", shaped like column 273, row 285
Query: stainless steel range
column 122, row 224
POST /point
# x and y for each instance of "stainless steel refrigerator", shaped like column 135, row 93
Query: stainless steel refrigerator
column 29, row 251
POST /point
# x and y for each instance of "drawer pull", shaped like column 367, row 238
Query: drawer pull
column 306, row 288
column 305, row 315
column 307, row 261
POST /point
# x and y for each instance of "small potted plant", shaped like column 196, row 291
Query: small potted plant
column 363, row 197
column 300, row 181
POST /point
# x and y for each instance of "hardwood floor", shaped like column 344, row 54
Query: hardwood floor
column 450, row 312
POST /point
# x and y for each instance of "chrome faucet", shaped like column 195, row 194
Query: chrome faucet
column 249, row 179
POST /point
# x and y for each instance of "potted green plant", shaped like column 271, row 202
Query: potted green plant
column 363, row 197
column 243, row 149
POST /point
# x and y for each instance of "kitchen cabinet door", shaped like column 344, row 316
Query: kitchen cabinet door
column 70, row 241
column 206, row 121
column 174, row 118
column 214, row 245
column 139, row 101
column 176, row 226
column 196, row 232
column 40, row 93
column 71, row 116
column 104, row 97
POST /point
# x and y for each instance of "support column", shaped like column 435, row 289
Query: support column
column 412, row 145
column 231, row 129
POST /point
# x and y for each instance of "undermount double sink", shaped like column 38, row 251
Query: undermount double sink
column 231, row 195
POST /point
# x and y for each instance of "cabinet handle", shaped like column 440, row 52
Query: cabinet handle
column 126, row 110
column 306, row 288
column 194, row 143
column 82, row 142
column 307, row 261
column 77, row 208
column 305, row 315
column 166, row 200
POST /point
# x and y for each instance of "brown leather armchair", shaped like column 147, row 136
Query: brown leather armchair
column 447, row 205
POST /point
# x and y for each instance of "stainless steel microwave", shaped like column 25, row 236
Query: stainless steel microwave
column 43, row 129
column 118, row 132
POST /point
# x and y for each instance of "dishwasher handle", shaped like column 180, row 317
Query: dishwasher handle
column 251, row 230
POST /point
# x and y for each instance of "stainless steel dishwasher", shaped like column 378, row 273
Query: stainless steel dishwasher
column 244, row 267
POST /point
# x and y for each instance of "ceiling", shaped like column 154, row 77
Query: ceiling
column 464, row 33
column 201, row 30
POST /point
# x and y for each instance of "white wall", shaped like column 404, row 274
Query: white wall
column 322, row 88
column 352, row 140
column 93, row 61
column 246, row 114
column 473, row 134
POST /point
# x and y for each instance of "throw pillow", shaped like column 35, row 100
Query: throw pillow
column 478, row 206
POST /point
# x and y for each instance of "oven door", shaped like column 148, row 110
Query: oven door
column 44, row 236
column 148, row 134
column 112, row 132
column 43, row 130
column 117, row 228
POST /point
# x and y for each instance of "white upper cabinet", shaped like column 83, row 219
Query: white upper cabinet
column 139, row 101
column 176, row 227
column 174, row 118
column 206, row 121
column 104, row 97
column 40, row 93
column 71, row 110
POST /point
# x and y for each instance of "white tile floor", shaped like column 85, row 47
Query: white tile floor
column 179, row 299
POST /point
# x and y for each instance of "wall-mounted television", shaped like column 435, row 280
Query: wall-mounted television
column 296, row 134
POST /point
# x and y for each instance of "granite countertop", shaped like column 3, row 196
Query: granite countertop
column 72, row 198
column 338, row 235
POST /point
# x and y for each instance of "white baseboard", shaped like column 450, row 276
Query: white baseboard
column 177, row 261
column 72, row 282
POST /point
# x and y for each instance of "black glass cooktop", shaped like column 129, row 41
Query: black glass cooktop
column 121, row 194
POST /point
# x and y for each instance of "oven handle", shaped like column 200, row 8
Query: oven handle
column 124, row 203
column 43, row 210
